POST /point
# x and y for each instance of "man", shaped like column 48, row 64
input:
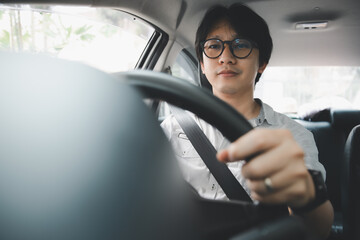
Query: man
column 234, row 47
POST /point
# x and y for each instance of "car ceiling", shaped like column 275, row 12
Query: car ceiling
column 336, row 45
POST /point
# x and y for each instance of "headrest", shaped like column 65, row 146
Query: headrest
column 345, row 118
column 82, row 157
column 204, row 82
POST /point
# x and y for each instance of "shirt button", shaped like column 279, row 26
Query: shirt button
column 213, row 187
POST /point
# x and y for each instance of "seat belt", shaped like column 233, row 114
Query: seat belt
column 207, row 152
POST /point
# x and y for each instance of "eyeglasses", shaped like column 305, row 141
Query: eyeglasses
column 240, row 48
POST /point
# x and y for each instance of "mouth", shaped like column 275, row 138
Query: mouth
column 227, row 73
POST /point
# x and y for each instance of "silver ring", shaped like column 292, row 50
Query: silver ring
column 268, row 185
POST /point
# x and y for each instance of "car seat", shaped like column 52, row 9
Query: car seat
column 330, row 128
column 350, row 185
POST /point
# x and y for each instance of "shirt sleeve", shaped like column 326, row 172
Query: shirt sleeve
column 306, row 140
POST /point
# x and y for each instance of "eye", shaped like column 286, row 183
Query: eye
column 241, row 44
column 213, row 45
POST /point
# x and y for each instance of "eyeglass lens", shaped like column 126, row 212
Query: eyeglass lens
column 241, row 48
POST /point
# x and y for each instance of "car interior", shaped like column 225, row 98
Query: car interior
column 78, row 79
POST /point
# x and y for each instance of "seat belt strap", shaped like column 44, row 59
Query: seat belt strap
column 207, row 152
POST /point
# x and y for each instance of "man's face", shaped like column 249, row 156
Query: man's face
column 227, row 74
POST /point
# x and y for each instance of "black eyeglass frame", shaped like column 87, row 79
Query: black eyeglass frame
column 229, row 43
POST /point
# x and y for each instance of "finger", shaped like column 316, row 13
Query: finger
column 257, row 140
column 279, row 181
column 293, row 196
column 274, row 160
column 296, row 194
column 223, row 156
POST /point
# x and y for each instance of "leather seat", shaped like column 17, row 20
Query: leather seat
column 330, row 128
column 350, row 185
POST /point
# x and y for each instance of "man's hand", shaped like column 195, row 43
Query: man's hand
column 278, row 174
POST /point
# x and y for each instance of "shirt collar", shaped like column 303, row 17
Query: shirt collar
column 266, row 114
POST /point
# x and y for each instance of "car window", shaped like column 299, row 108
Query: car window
column 301, row 90
column 185, row 68
column 104, row 38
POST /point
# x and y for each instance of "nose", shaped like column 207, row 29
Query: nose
column 227, row 56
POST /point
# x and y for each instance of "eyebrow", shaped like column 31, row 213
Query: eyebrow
column 217, row 36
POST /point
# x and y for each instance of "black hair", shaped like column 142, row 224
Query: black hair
column 244, row 21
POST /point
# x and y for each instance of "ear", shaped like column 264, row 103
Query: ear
column 202, row 67
column 262, row 68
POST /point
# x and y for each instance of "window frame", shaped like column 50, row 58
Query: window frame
column 153, row 48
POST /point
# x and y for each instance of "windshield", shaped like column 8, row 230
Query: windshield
column 304, row 89
column 107, row 39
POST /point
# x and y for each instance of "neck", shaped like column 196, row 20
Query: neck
column 244, row 104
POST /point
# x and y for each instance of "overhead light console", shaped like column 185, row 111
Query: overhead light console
column 311, row 25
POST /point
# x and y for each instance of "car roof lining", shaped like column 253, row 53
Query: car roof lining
column 291, row 47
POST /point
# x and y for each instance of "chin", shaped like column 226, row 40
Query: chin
column 228, row 90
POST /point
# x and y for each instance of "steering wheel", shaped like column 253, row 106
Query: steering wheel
column 160, row 86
